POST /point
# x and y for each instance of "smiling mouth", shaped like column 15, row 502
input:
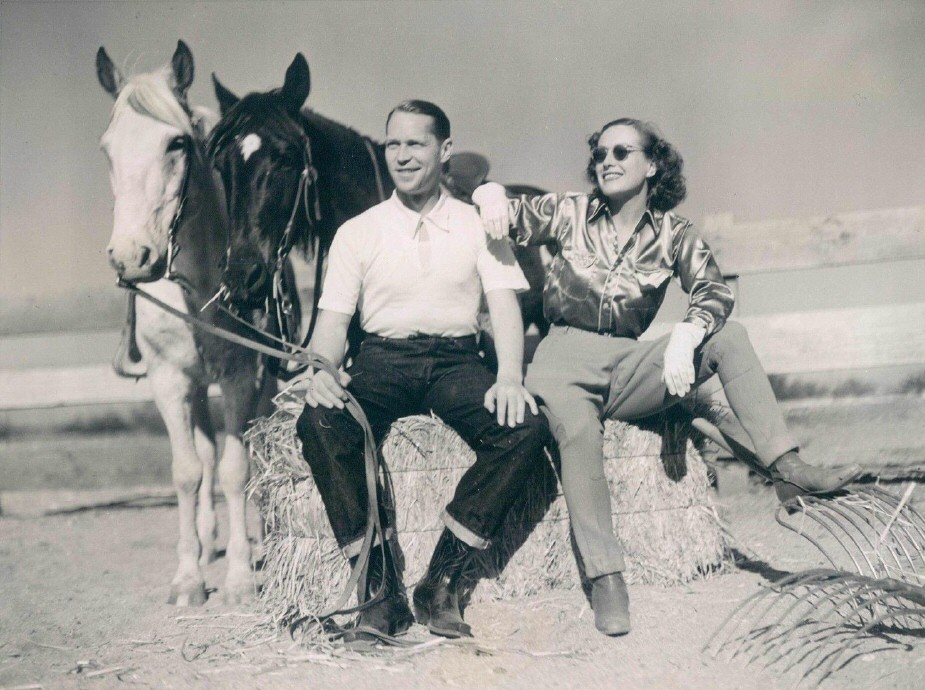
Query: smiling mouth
column 612, row 175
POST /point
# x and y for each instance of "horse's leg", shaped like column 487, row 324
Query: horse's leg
column 265, row 408
column 240, row 396
column 204, row 436
column 173, row 393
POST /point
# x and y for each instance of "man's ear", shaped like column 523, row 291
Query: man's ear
column 446, row 150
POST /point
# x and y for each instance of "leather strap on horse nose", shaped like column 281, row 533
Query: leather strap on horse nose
column 308, row 186
column 173, row 246
column 312, row 174
column 372, row 461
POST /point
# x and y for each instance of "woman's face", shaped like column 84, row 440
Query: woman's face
column 625, row 178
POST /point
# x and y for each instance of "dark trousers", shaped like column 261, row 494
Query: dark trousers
column 394, row 378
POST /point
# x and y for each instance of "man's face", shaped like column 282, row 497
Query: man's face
column 414, row 155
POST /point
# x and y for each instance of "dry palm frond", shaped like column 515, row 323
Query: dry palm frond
column 816, row 622
column 868, row 531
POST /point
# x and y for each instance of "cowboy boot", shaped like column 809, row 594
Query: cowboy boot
column 436, row 600
column 793, row 477
column 390, row 614
column 611, row 604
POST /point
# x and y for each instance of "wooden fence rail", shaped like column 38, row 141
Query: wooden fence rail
column 836, row 339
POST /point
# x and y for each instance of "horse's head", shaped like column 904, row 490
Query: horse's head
column 262, row 153
column 146, row 144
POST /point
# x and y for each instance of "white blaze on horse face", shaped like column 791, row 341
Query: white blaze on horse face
column 145, row 179
column 249, row 144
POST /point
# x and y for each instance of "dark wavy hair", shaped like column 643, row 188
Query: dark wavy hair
column 667, row 188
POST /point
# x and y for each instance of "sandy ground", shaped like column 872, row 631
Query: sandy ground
column 82, row 604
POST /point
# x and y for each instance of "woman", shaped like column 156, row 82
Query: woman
column 618, row 247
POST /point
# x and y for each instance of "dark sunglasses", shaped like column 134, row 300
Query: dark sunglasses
column 620, row 153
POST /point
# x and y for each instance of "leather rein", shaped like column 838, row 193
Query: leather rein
column 374, row 528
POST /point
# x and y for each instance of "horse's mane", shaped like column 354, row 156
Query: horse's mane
column 205, row 119
column 150, row 94
column 339, row 136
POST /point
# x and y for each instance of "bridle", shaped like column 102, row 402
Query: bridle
column 279, row 302
column 173, row 245
column 307, row 196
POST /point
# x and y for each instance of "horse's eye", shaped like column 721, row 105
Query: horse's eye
column 177, row 144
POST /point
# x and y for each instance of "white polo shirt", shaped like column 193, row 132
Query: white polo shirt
column 410, row 274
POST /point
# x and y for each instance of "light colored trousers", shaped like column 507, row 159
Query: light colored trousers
column 583, row 378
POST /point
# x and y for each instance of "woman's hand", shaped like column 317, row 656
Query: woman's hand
column 509, row 400
column 678, row 372
column 491, row 198
column 322, row 389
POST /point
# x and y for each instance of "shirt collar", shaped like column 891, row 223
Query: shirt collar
column 438, row 216
column 597, row 207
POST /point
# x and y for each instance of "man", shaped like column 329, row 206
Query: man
column 415, row 266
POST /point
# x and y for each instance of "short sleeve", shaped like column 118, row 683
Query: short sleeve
column 497, row 266
column 344, row 276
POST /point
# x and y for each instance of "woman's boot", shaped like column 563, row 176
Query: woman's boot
column 793, row 477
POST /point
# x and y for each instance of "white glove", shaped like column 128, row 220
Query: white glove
column 678, row 372
column 491, row 198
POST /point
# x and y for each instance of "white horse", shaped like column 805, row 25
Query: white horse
column 169, row 216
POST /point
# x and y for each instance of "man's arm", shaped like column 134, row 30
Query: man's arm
column 508, row 398
column 329, row 341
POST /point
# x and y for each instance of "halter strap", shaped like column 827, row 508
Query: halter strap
column 308, row 184
column 173, row 247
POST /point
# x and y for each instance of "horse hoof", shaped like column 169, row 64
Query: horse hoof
column 238, row 596
column 187, row 596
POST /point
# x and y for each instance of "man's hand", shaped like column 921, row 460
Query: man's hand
column 509, row 400
column 493, row 209
column 322, row 389
column 678, row 373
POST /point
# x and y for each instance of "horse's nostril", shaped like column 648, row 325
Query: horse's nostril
column 144, row 255
column 255, row 278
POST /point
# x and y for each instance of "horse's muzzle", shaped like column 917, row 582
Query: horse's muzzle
column 247, row 285
column 141, row 265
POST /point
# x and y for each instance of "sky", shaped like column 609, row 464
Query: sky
column 780, row 108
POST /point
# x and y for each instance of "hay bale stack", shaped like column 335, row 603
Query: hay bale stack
column 662, row 509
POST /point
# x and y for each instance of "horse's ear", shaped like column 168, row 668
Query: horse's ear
column 109, row 75
column 226, row 99
column 182, row 64
column 297, row 85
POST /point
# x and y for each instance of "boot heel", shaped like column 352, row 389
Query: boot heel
column 786, row 491
column 421, row 614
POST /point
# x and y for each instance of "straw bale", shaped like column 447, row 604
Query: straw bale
column 661, row 500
